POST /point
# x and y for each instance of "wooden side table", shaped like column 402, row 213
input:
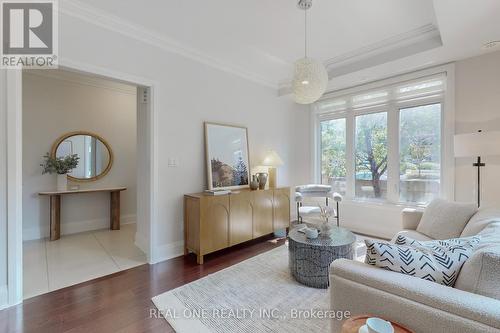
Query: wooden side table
column 353, row 325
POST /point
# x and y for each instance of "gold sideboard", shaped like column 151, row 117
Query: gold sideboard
column 213, row 223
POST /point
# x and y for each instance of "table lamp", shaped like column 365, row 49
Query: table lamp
column 272, row 160
column 477, row 145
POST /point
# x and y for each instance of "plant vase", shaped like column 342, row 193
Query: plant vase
column 326, row 228
column 326, row 213
column 262, row 177
column 254, row 183
column 62, row 182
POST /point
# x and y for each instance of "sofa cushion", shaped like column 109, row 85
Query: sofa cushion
column 444, row 219
column 481, row 273
column 436, row 263
column 481, row 220
column 313, row 188
column 411, row 234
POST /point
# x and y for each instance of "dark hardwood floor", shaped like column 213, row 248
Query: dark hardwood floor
column 120, row 302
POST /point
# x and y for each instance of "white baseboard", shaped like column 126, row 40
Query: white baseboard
column 68, row 228
column 168, row 251
column 4, row 297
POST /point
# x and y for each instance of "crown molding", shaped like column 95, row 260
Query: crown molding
column 119, row 25
column 426, row 32
column 421, row 39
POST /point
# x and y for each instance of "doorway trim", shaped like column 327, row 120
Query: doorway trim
column 14, row 167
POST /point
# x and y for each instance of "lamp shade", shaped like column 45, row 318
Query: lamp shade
column 477, row 144
column 309, row 81
column 272, row 159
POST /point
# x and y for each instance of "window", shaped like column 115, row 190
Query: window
column 384, row 144
column 420, row 153
column 371, row 155
column 333, row 141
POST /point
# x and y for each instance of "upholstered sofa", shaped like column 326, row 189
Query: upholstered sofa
column 472, row 305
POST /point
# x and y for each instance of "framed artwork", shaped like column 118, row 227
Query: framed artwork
column 226, row 149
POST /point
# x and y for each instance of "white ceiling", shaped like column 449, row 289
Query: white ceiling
column 264, row 37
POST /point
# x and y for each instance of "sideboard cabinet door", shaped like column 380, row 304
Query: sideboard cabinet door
column 214, row 223
column 281, row 209
column 263, row 213
column 241, row 218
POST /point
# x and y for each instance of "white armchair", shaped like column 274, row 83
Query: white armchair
column 315, row 191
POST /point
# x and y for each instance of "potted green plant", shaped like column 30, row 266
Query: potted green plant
column 60, row 166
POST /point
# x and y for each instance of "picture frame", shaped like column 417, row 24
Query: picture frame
column 226, row 153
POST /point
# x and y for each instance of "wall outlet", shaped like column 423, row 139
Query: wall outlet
column 144, row 96
column 173, row 162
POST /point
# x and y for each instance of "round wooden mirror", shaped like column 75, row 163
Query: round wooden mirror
column 96, row 156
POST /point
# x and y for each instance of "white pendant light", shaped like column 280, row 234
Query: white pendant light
column 309, row 76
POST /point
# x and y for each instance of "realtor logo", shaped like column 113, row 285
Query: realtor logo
column 29, row 34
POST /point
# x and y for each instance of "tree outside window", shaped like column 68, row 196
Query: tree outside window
column 371, row 155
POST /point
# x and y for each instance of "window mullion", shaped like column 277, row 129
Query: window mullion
column 350, row 156
column 393, row 154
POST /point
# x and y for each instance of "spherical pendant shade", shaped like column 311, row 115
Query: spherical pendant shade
column 309, row 81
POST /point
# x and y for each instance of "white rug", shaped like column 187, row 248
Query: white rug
column 256, row 295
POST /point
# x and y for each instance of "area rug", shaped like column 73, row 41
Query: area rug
column 256, row 295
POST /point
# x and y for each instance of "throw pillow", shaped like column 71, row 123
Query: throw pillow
column 444, row 219
column 404, row 240
column 440, row 264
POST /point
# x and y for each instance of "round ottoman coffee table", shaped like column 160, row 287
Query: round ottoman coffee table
column 310, row 259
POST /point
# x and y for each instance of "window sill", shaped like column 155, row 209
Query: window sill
column 382, row 203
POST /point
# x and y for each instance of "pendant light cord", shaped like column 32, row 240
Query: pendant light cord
column 305, row 33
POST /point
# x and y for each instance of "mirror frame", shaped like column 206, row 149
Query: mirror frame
column 106, row 144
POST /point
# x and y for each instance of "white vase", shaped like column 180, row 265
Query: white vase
column 62, row 182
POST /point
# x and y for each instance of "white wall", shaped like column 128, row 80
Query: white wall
column 368, row 218
column 58, row 102
column 190, row 93
column 478, row 107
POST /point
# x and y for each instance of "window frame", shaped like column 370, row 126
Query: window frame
column 393, row 107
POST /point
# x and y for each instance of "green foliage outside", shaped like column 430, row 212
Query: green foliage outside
column 420, row 137
column 333, row 149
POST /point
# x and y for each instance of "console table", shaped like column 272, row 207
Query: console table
column 55, row 207
column 212, row 223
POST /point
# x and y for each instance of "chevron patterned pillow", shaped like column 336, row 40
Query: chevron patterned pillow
column 403, row 240
column 433, row 262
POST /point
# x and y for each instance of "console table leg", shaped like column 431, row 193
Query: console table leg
column 55, row 217
column 199, row 259
column 115, row 210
